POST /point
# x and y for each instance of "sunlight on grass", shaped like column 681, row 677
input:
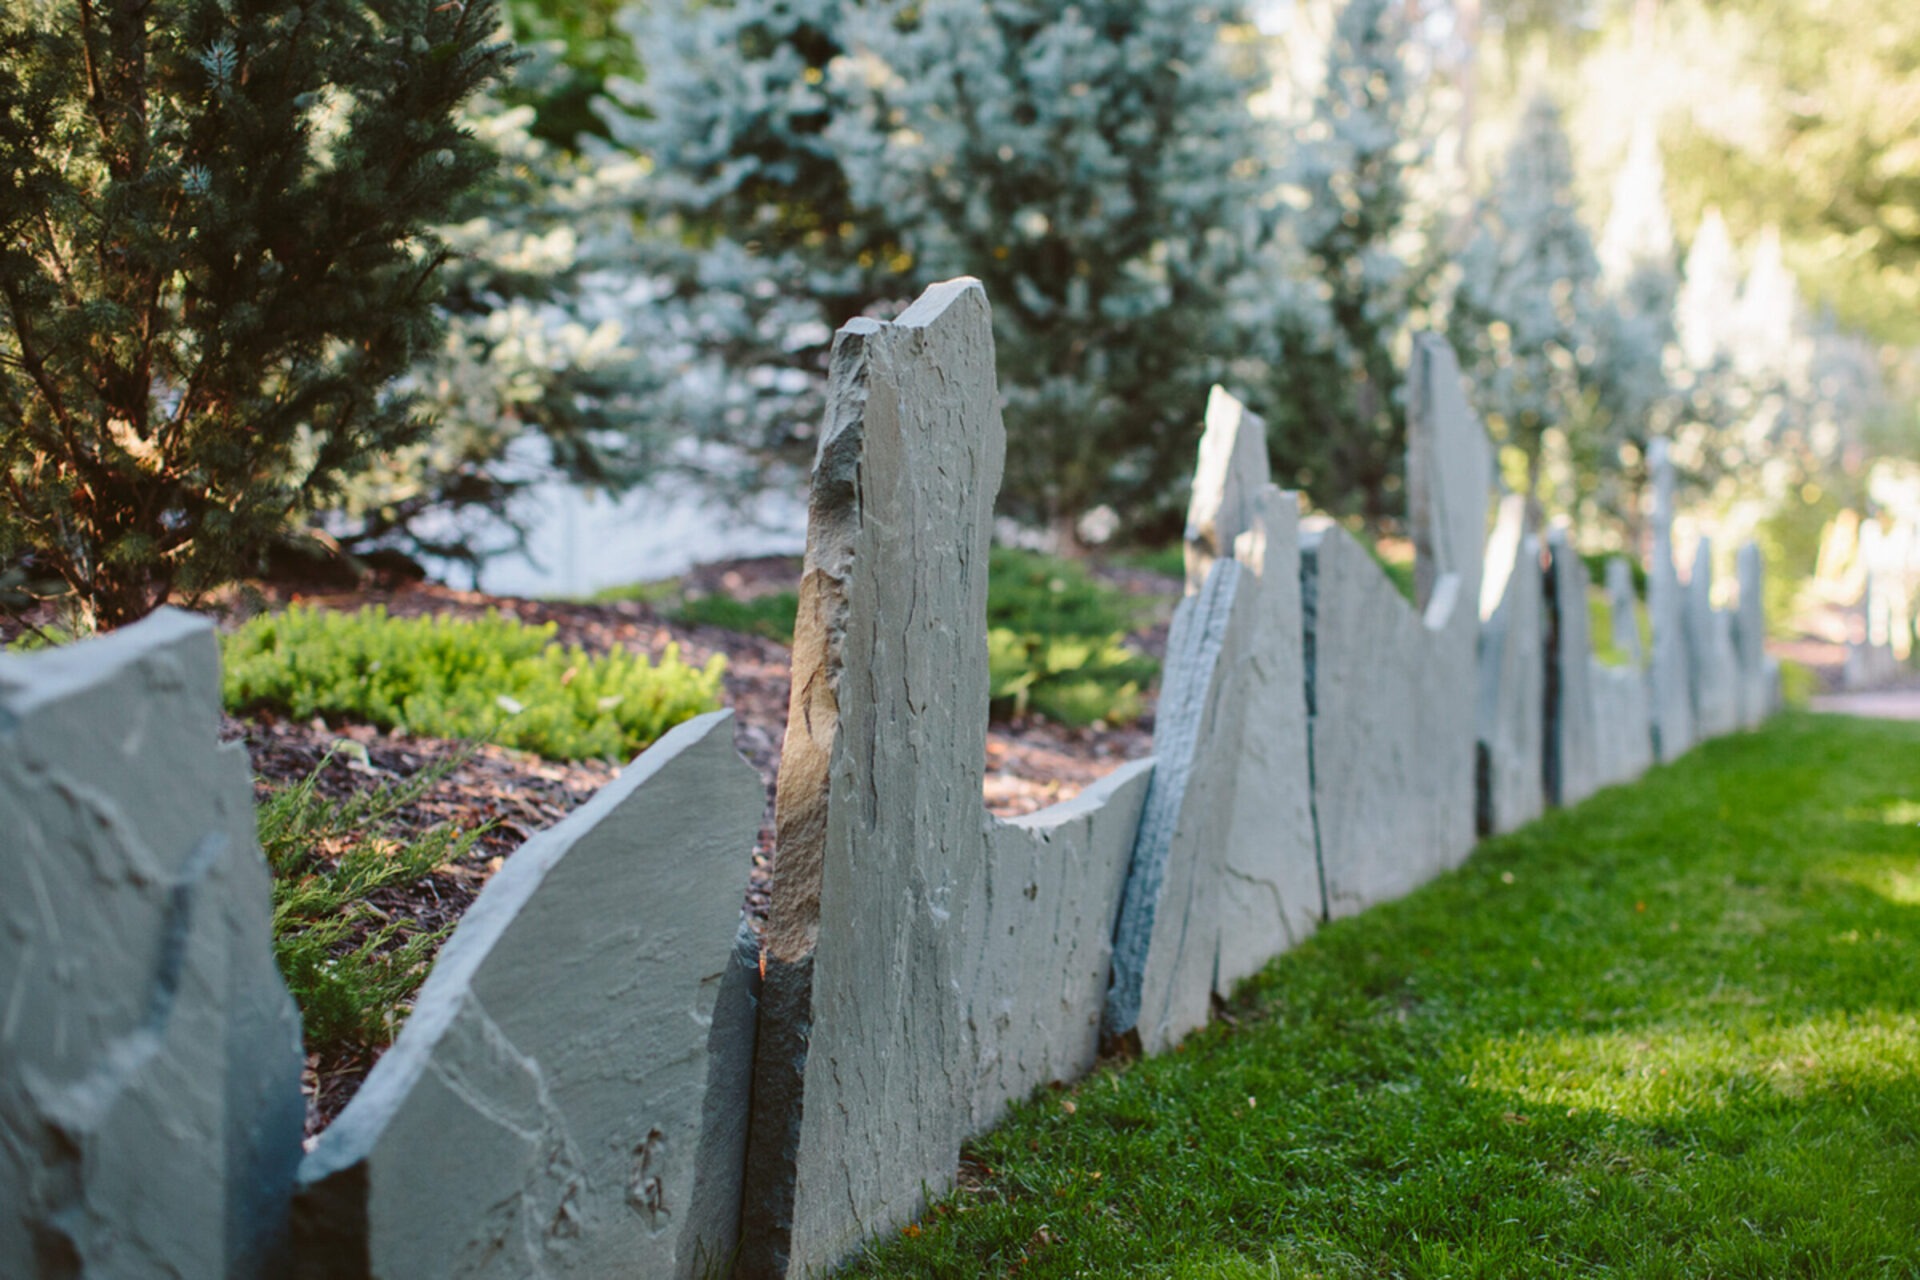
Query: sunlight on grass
column 1671, row 1032
column 1680, row 1069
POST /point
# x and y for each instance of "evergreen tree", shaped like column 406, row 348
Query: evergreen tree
column 1524, row 312
column 214, row 255
column 1333, row 403
column 1096, row 164
column 753, row 238
column 542, row 369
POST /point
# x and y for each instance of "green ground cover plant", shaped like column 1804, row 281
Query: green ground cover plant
column 1056, row 642
column 351, row 969
column 1673, row 1031
column 491, row 677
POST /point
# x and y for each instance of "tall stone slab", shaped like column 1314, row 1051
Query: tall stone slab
column 924, row 963
column 1167, row 938
column 1750, row 638
column 1712, row 665
column 1392, row 691
column 1573, row 746
column 150, row 1108
column 565, row 1098
column 1623, row 718
column 1624, row 619
column 1669, row 681
column 1269, row 896
column 1511, row 713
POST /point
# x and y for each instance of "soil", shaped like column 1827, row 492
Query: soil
column 513, row 794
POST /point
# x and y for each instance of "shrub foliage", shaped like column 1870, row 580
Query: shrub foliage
column 214, row 255
column 464, row 678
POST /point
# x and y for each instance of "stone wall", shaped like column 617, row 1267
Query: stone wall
column 606, row 1072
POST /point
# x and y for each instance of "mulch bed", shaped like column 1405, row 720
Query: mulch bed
column 514, row 794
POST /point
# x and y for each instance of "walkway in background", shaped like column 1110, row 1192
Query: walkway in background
column 1878, row 704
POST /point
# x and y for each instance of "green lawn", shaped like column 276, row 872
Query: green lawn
column 1672, row 1032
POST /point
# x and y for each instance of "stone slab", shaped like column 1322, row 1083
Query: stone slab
column 1668, row 678
column 150, row 1108
column 1713, row 670
column 1573, row 747
column 1511, row 712
column 1167, row 938
column 1039, row 940
column 1270, row 895
column 1624, row 617
column 862, row 1091
column 1623, row 708
column 544, row 1108
column 1750, row 637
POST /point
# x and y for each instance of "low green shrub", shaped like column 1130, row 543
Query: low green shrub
column 1056, row 642
column 492, row 677
column 351, row 968
column 770, row 616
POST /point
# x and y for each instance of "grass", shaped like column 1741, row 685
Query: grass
column 350, row 967
column 770, row 616
column 1671, row 1032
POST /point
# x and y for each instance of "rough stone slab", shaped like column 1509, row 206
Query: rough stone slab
column 1039, row 940
column 1625, row 618
column 546, row 1107
column 1168, row 934
column 1623, row 726
column 1750, row 638
column 1713, row 668
column 1669, row 681
column 1229, row 478
column 1392, row 691
column 1511, row 712
column 150, row 1108
column 1573, row 748
column 1270, row 896
column 862, row 1086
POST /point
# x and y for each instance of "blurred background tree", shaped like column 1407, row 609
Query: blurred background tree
column 216, row 253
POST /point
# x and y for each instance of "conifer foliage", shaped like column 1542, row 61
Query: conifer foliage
column 214, row 256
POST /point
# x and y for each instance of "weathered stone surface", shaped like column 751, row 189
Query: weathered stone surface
column 1573, row 729
column 1039, row 940
column 1713, row 668
column 1750, row 638
column 546, row 1108
column 888, row 1031
column 1266, row 871
column 1625, row 618
column 862, row 1093
column 1392, row 691
column 1668, row 679
column 1229, row 478
column 1168, row 936
column 150, row 1108
column 1511, row 712
column 1623, row 726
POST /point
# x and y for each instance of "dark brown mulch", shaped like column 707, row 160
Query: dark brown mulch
column 1029, row 765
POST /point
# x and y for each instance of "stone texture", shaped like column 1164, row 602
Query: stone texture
column 1511, row 712
column 548, row 1105
column 1039, row 940
column 1712, row 666
column 150, row 1107
column 1669, row 682
column 1624, row 617
column 1623, row 725
column 1392, row 690
column 1750, row 638
column 1168, row 935
column 901, row 911
column 1573, row 728
column 1270, row 895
